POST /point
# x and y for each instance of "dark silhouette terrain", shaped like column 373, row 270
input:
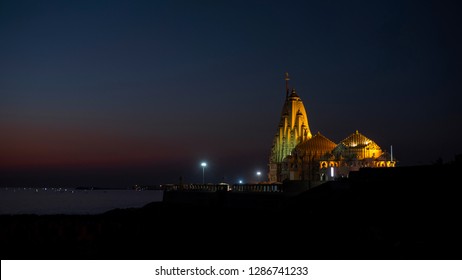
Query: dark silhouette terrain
column 391, row 213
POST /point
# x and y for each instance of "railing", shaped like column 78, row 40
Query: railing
column 257, row 188
column 225, row 188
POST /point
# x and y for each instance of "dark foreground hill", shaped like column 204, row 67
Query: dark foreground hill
column 400, row 213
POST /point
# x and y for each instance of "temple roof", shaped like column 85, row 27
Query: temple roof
column 357, row 140
column 317, row 143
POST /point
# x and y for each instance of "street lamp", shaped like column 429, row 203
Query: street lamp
column 258, row 174
column 203, row 164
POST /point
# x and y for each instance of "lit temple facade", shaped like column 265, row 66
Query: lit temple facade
column 293, row 129
column 297, row 155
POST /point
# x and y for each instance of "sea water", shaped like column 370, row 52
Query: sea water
column 47, row 201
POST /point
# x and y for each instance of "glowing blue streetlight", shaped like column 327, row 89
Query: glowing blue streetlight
column 203, row 164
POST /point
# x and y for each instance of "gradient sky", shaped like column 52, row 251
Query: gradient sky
column 116, row 93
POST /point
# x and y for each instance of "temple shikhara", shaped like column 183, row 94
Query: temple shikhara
column 296, row 154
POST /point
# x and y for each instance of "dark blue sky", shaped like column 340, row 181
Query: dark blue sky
column 113, row 93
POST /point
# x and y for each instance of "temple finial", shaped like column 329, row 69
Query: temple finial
column 287, row 84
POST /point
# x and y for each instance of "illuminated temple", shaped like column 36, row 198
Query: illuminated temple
column 296, row 154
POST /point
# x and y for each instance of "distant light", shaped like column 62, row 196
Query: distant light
column 332, row 171
column 203, row 164
column 258, row 173
column 240, row 181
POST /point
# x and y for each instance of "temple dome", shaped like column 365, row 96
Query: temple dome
column 358, row 146
column 318, row 146
column 357, row 140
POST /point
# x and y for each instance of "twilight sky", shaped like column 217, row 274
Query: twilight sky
column 116, row 93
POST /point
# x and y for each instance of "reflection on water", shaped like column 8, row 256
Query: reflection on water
column 71, row 201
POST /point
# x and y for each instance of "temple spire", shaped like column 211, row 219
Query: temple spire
column 293, row 128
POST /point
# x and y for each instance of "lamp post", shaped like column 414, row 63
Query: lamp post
column 203, row 164
column 258, row 176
